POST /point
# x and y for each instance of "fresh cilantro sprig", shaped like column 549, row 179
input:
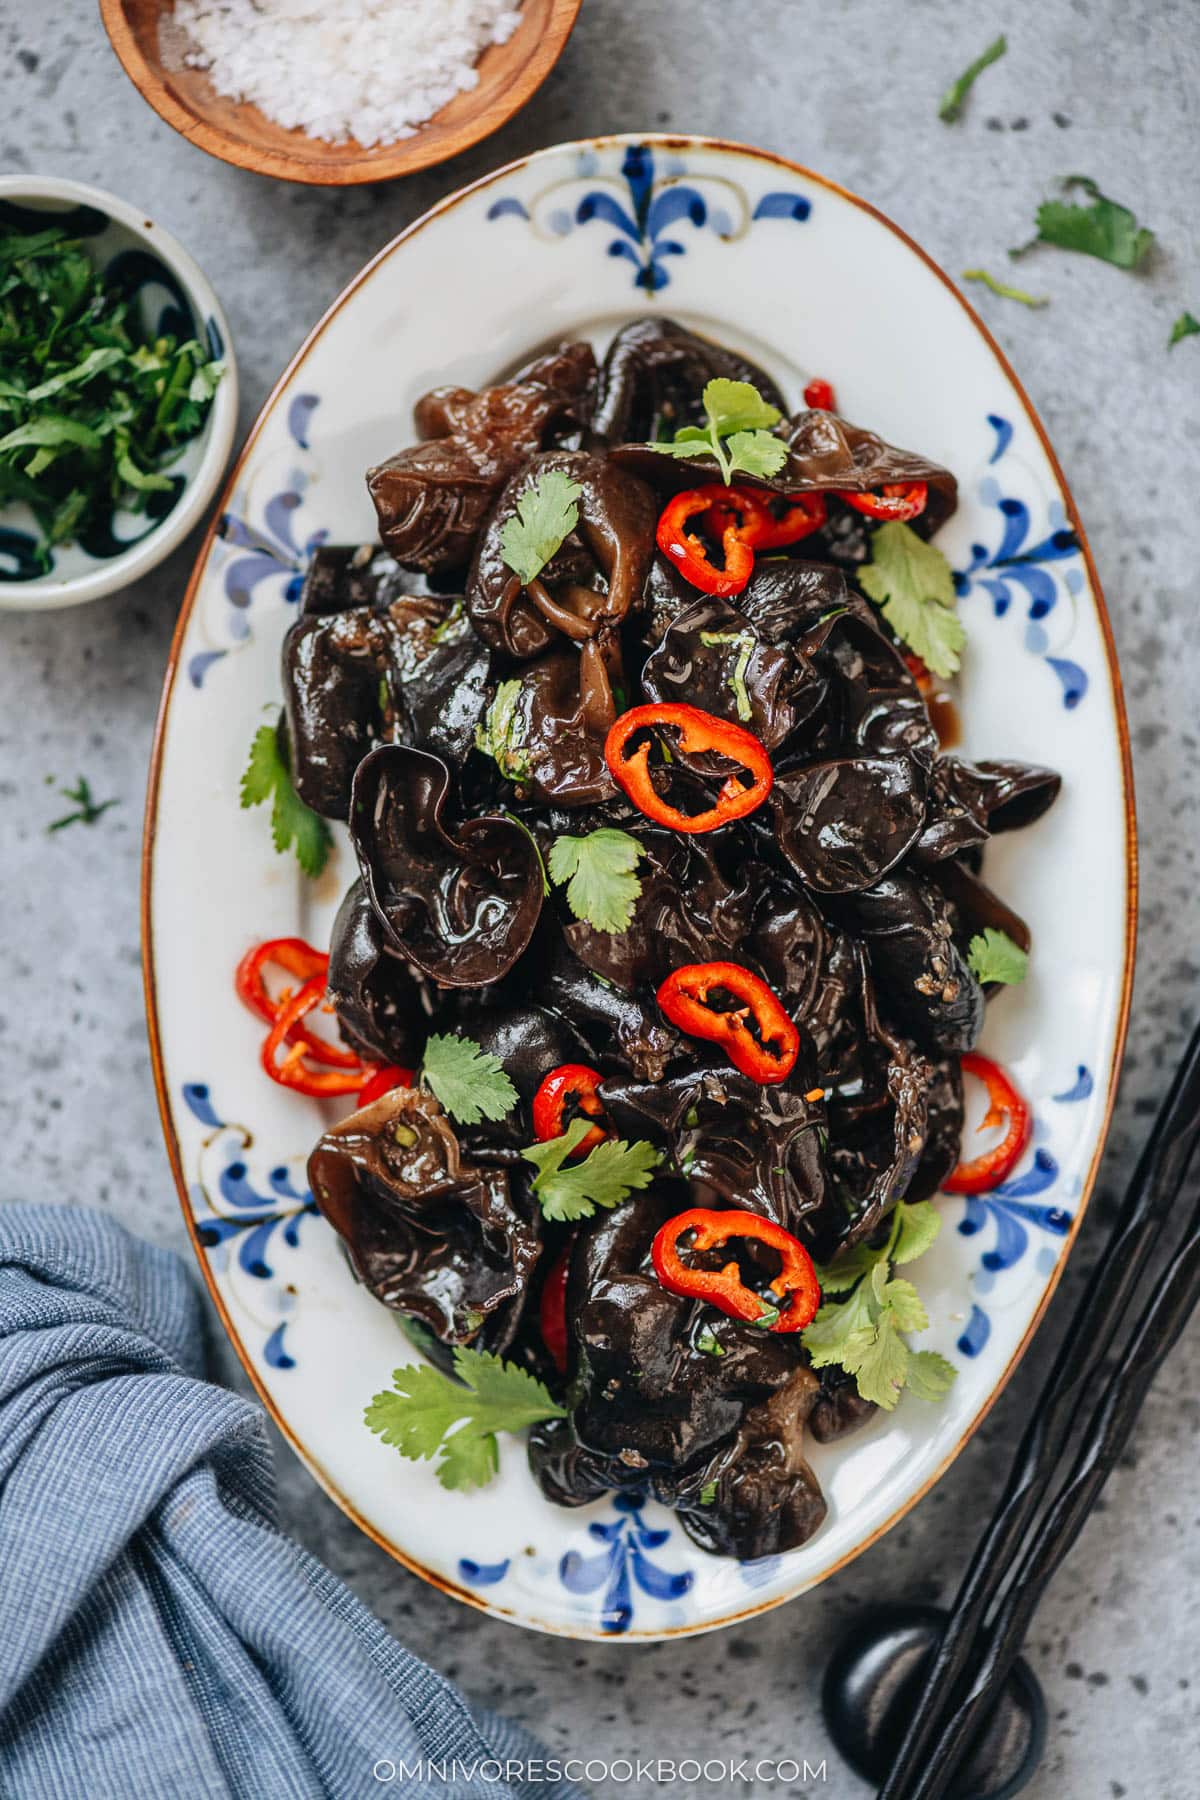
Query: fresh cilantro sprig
column 87, row 808
column 867, row 1332
column 268, row 777
column 547, row 512
column 1104, row 229
column 1186, row 325
column 992, row 956
column 470, row 1081
column 499, row 736
column 951, row 104
column 738, row 432
column 426, row 1414
column 605, row 1177
column 598, row 871
column 1004, row 290
column 912, row 583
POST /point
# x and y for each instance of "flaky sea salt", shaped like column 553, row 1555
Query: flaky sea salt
column 372, row 70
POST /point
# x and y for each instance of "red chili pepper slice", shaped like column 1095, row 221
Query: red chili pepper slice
column 819, row 394
column 758, row 1037
column 984, row 1172
column 730, row 508
column 895, row 500
column 302, row 961
column 698, row 731
column 552, row 1309
column 570, row 1081
column 799, row 515
column 385, row 1078
column 292, row 1072
column 796, row 1285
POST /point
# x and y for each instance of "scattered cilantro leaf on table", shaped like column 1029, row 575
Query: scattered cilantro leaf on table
column 992, row 956
column 293, row 824
column 500, row 734
column 599, row 874
column 738, row 432
column 547, row 512
column 87, row 808
column 1185, row 326
column 606, row 1176
column 470, row 1082
column 911, row 582
column 867, row 1333
column 1004, row 290
column 427, row 1414
column 951, row 104
column 1104, row 229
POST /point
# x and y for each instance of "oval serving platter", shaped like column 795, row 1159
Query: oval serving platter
column 808, row 280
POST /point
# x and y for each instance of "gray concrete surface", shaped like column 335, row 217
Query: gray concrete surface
column 1108, row 87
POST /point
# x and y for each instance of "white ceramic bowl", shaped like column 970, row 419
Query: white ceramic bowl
column 111, row 228
column 809, row 281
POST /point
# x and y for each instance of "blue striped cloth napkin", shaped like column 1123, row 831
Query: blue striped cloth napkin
column 158, row 1635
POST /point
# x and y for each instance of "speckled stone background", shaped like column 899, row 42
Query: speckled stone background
column 1108, row 87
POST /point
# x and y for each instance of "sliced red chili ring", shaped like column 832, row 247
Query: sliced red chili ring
column 819, row 394
column 385, row 1078
column 785, row 520
column 895, row 500
column 758, row 1037
column 552, row 1110
column 698, row 731
column 982, row 1173
column 552, row 1309
column 796, row 1286
column 292, row 1072
column 302, row 961
column 731, row 508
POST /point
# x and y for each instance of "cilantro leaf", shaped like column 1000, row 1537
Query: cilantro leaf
column 470, row 1082
column 756, row 453
column 951, row 104
column 1104, row 229
column 992, row 956
column 915, row 1224
column 500, row 734
column 1186, row 325
column 878, row 1360
column 911, row 582
column 88, row 808
column 707, row 1494
column 929, row 1375
column 736, row 412
column 599, row 872
column 865, row 1334
column 547, row 512
column 605, row 1177
column 267, row 777
column 427, row 1414
column 1003, row 289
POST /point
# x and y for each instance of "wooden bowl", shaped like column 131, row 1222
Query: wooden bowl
column 152, row 49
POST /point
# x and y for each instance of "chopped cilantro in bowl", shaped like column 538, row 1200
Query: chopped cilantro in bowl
column 118, row 398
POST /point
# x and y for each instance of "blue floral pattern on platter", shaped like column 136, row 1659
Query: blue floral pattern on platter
column 1012, row 1211
column 646, row 216
column 1043, row 566
column 622, row 1566
column 250, row 555
column 246, row 1222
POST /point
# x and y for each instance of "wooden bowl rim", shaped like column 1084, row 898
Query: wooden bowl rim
column 317, row 163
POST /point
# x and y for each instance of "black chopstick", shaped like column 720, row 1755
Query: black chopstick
column 924, row 1762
